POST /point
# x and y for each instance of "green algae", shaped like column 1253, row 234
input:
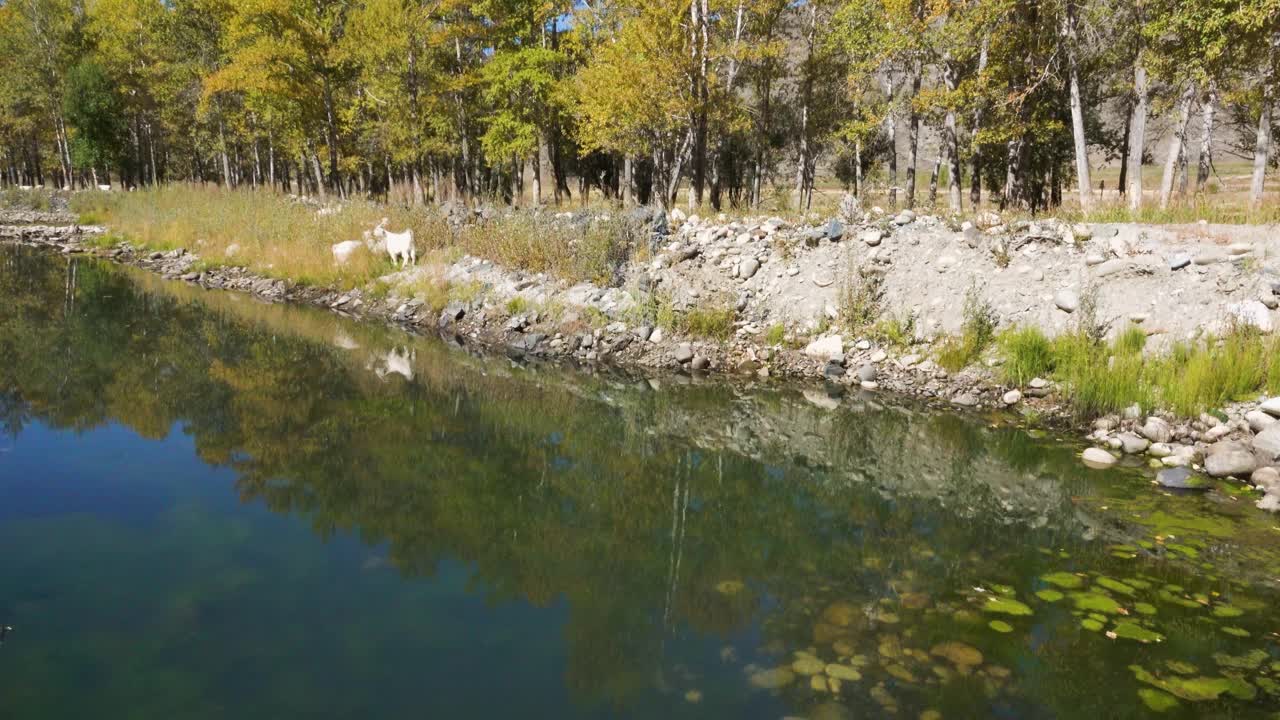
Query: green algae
column 1157, row 700
column 1197, row 689
column 1251, row 660
column 1227, row 611
column 1180, row 667
column 1115, row 585
column 1048, row 595
column 1000, row 626
column 1089, row 601
column 1236, row 631
column 1091, row 624
column 1064, row 580
column 1134, row 631
column 1007, row 606
column 1144, row 608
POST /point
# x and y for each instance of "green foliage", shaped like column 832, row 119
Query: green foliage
column 775, row 335
column 976, row 335
column 710, row 322
column 1028, row 354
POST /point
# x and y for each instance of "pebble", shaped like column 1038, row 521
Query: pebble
column 684, row 353
column 1133, row 444
column 1013, row 397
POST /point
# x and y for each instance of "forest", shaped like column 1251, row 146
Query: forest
column 946, row 103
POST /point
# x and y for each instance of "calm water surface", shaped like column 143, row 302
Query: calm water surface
column 214, row 508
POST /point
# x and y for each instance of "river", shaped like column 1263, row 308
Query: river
column 213, row 507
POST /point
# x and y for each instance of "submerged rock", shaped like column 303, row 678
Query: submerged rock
column 1181, row 478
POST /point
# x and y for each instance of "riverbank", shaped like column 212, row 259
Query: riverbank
column 870, row 303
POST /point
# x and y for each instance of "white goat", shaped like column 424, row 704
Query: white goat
column 399, row 245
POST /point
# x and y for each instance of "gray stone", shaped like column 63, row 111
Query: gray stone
column 1094, row 259
column 1156, row 430
column 700, row 362
column 906, row 217
column 1098, row 458
column 964, row 400
column 1159, row 450
column 825, row 348
column 1266, row 478
column 1179, row 262
column 1209, row 258
column 1267, row 445
column 644, row 332
column 1067, row 301
column 1228, row 458
column 1217, row 432
column 1181, row 478
column 684, row 353
column 835, row 230
column 1132, row 444
column 1111, row 267
column 656, row 336
column 1271, row 407
column 867, row 373
column 1038, row 383
column 1013, row 397
column 452, row 313
column 748, row 268
column 1270, row 503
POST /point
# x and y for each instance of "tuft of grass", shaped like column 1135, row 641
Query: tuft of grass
column 15, row 198
column 1131, row 341
column 896, row 331
column 517, row 305
column 715, row 323
column 976, row 335
column 1028, row 354
column 775, row 335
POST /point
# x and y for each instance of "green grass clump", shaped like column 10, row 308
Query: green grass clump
column 714, row 323
column 976, row 335
column 1100, row 377
column 517, row 305
column 1028, row 354
column 896, row 332
column 775, row 335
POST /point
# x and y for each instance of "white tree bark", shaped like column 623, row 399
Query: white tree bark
column 1137, row 136
column 1177, row 145
column 1261, row 150
column 1206, row 139
column 1083, row 182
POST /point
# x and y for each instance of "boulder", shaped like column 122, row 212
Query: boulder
column 1098, row 458
column 1259, row 420
column 1267, row 445
column 1229, row 459
column 1270, row 503
column 1266, row 478
column 748, row 268
column 1156, row 430
column 1252, row 313
column 1133, row 444
column 867, row 373
column 684, row 353
column 825, row 348
column 871, row 237
column 1271, row 407
column 906, row 217
column 1013, row 397
column 835, row 230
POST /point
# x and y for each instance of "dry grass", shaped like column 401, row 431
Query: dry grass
column 275, row 236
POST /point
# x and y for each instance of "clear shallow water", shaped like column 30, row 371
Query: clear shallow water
column 211, row 507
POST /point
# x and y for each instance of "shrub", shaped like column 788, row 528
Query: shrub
column 976, row 335
column 861, row 298
column 898, row 332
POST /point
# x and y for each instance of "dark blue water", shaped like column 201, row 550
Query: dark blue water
column 211, row 507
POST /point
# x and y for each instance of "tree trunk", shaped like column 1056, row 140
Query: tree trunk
column 891, row 129
column 627, row 173
column 1261, row 149
column 1083, row 183
column 1137, row 138
column 951, row 140
column 1206, row 139
column 975, row 181
column 1177, row 145
column 913, row 136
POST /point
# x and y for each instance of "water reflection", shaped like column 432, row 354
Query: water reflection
column 514, row 539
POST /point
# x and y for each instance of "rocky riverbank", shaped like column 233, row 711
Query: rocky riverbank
column 783, row 286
